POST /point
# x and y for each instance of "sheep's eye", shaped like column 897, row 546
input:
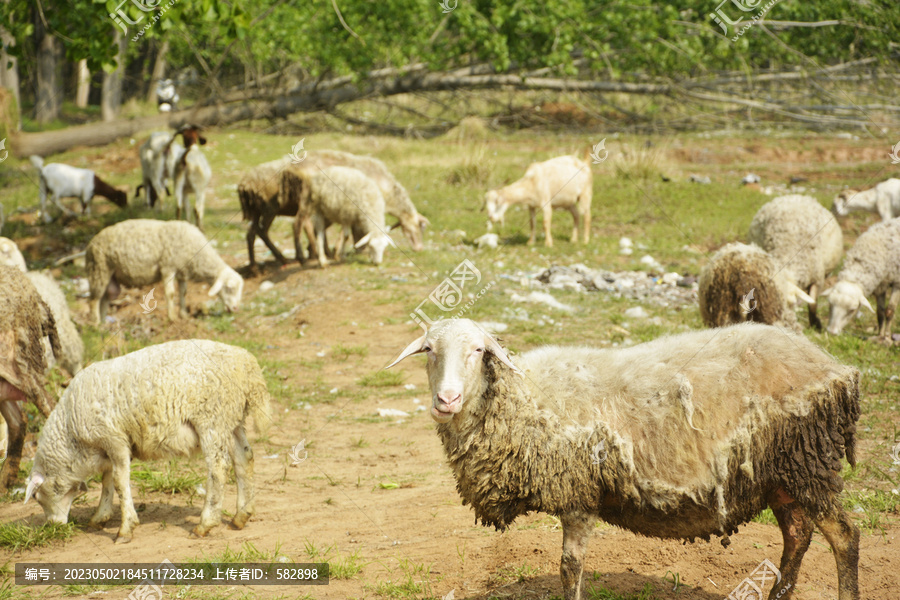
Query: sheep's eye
column 427, row 349
column 479, row 350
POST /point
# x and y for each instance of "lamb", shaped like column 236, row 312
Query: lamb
column 192, row 174
column 71, row 344
column 159, row 155
column 63, row 181
column 141, row 252
column 686, row 436
column 804, row 241
column 872, row 266
column 741, row 283
column 884, row 199
column 24, row 320
column 341, row 195
column 562, row 182
column 165, row 400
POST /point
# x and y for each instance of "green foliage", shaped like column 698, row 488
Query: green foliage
column 19, row 536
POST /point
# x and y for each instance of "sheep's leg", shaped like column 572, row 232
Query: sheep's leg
column 43, row 194
column 814, row 321
column 532, row 213
column 880, row 302
column 15, row 423
column 120, row 459
column 265, row 222
column 586, row 221
column 179, row 196
column 548, row 216
column 298, row 225
column 242, row 457
column 199, row 208
column 85, row 204
column 105, row 508
column 889, row 313
column 110, row 293
column 169, row 286
column 182, row 298
column 251, row 240
column 796, row 529
column 843, row 536
column 61, row 206
column 576, row 223
column 320, row 247
column 577, row 530
column 216, row 453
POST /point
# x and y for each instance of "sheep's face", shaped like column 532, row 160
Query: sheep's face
column 229, row 286
column 495, row 206
column 54, row 494
column 455, row 349
column 840, row 205
column 413, row 228
column 10, row 255
column 846, row 299
column 375, row 243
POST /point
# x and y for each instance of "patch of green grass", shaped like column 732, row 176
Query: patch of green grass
column 247, row 553
column 603, row 593
column 19, row 536
column 382, row 378
column 412, row 582
column 766, row 517
column 172, row 480
column 872, row 506
column 517, row 574
column 339, row 567
column 342, row 352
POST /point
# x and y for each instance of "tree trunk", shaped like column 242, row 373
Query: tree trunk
column 84, row 84
column 111, row 96
column 48, row 101
column 159, row 70
column 9, row 76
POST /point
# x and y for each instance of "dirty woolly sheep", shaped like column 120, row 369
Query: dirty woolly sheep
column 166, row 400
column 25, row 319
column 741, row 283
column 701, row 431
column 804, row 240
column 141, row 252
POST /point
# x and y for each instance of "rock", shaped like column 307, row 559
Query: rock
column 265, row 286
column 493, row 326
column 625, row 251
column 543, row 298
column 636, row 312
column 704, row 179
column 625, row 242
column 392, row 412
column 670, row 278
column 750, row 178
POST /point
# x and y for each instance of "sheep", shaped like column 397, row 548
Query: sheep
column 884, row 199
column 686, row 436
column 341, row 195
column 872, row 266
column 741, row 283
column 192, row 174
column 24, row 320
column 804, row 240
column 562, row 182
column 159, row 155
column 258, row 193
column 170, row 399
column 71, row 344
column 141, row 252
column 63, row 181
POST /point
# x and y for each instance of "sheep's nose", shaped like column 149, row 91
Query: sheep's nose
column 449, row 398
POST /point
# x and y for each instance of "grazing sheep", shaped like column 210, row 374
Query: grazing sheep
column 872, row 266
column 165, row 400
column 698, row 433
column 740, row 283
column 159, row 155
column 883, row 199
column 141, row 252
column 562, row 182
column 192, row 174
column 72, row 347
column 63, row 181
column 804, row 241
column 24, row 321
column 341, row 195
column 258, row 193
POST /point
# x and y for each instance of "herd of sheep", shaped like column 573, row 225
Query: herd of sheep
column 700, row 431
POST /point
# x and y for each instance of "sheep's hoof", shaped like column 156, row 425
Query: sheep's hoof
column 199, row 532
column 240, row 520
column 123, row 539
column 99, row 524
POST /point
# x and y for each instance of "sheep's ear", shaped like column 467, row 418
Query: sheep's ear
column 202, row 141
column 394, row 226
column 494, row 347
column 415, row 348
column 423, row 222
column 825, row 293
column 863, row 301
column 220, row 281
column 363, row 241
column 799, row 294
column 391, row 241
column 34, row 482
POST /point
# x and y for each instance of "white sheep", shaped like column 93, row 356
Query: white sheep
column 64, row 181
column 165, row 400
column 883, row 199
column 872, row 266
column 803, row 239
column 563, row 182
column 71, row 344
column 192, row 175
column 159, row 155
column 141, row 252
column 344, row 196
column 687, row 436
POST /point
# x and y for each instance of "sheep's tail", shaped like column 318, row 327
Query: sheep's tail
column 37, row 161
column 245, row 197
column 847, row 393
column 258, row 404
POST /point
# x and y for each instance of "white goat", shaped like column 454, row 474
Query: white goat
column 159, row 155
column 563, row 182
column 884, row 199
column 192, row 174
column 64, row 181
